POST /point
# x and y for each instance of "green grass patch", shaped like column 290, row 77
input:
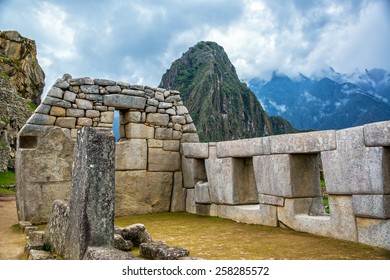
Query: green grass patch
column 7, row 178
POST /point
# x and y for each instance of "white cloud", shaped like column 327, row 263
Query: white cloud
column 138, row 40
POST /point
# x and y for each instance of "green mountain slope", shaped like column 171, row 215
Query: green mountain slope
column 222, row 107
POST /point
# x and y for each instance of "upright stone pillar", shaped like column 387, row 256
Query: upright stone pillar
column 91, row 216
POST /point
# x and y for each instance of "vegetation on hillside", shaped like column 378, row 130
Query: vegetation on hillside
column 222, row 107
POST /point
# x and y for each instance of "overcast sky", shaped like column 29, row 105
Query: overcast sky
column 137, row 40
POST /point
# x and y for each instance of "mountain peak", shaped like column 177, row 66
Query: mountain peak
column 222, row 107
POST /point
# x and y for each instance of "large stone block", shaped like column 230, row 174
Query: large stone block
column 41, row 119
column 131, row 154
column 55, row 232
column 120, row 101
column 194, row 170
column 107, row 253
column 354, row 168
column 139, row 131
column 84, row 104
column 220, row 178
column 190, row 201
column 51, row 161
column 374, row 232
column 240, row 148
column 157, row 119
column 340, row 224
column 271, row 200
column 287, row 175
column 91, row 215
column 202, row 193
column 249, row 214
column 295, row 215
column 141, row 192
column 310, row 142
column 372, row 206
column 377, row 134
column 160, row 160
column 231, row 180
column 178, row 200
column 66, row 122
column 195, row 150
column 164, row 133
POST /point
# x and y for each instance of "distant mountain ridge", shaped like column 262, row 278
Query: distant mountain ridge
column 327, row 100
column 222, row 107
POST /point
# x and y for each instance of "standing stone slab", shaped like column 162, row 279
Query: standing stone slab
column 91, row 215
column 220, row 178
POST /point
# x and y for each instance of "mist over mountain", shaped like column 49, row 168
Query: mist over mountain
column 327, row 99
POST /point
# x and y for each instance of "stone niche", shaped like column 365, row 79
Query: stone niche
column 153, row 122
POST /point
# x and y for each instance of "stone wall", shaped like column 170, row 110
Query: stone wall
column 153, row 123
column 275, row 181
column 160, row 166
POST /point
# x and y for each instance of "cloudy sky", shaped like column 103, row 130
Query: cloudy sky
column 137, row 40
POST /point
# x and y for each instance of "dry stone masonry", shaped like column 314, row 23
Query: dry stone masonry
column 161, row 166
column 153, row 123
column 275, row 181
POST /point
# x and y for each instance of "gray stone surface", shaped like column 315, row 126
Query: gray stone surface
column 220, row 178
column 374, row 232
column 271, row 200
column 190, row 201
column 55, row 232
column 137, row 234
column 56, row 102
column 371, row 206
column 141, row 192
column 354, row 168
column 121, row 244
column 202, row 193
column 249, row 214
column 160, row 160
column 157, row 119
column 107, row 253
column 377, row 134
column 40, row 255
column 161, row 251
column 41, row 119
column 139, row 131
column 43, row 174
column 131, row 155
column 91, row 215
column 121, row 101
column 195, row 150
column 84, row 104
column 287, row 175
column 240, row 148
column 178, row 198
column 310, row 142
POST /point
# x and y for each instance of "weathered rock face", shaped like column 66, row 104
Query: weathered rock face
column 21, row 85
column 161, row 251
column 19, row 63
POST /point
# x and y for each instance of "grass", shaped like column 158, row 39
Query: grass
column 7, row 179
column 216, row 238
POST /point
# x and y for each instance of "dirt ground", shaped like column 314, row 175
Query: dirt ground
column 12, row 240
